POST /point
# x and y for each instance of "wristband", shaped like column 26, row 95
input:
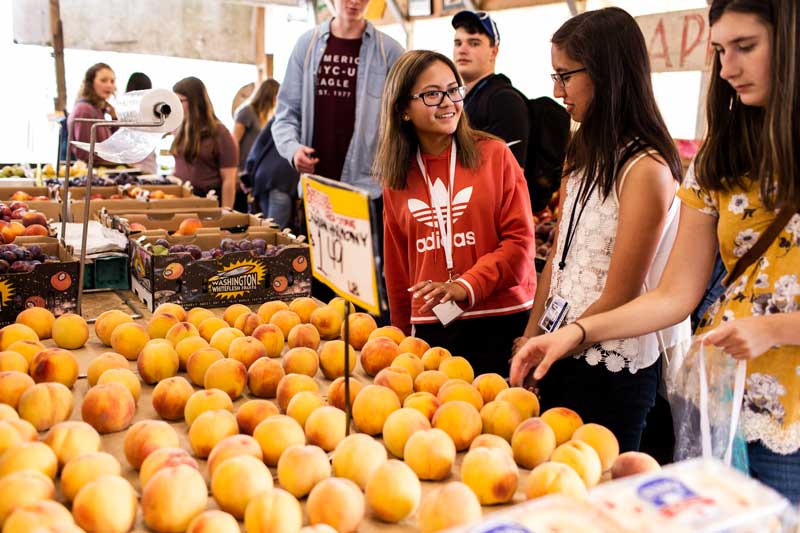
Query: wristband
column 583, row 332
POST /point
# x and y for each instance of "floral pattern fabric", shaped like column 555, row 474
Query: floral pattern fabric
column 771, row 410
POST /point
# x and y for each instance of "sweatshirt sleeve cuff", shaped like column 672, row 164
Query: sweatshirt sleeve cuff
column 467, row 287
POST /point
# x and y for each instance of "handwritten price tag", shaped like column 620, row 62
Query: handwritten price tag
column 340, row 232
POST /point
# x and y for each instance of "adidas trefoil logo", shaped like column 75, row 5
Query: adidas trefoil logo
column 425, row 214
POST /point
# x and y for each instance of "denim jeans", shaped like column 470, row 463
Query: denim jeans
column 276, row 205
column 781, row 472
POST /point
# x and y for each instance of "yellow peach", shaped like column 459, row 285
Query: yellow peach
column 27, row 348
column 233, row 446
column 273, row 511
column 337, row 502
column 106, row 504
column 361, row 325
column 275, row 434
column 108, row 321
column 223, row 337
column 424, row 402
column 487, row 440
column 206, row 400
column 303, row 306
column 430, row 453
column 85, row 468
column 247, row 322
column 268, row 309
column 16, row 332
column 338, row 303
column 29, row 455
column 399, row 426
column 199, row 361
column 45, row 405
column 300, row 468
column 164, row 458
column 170, row 397
column 26, row 430
column 410, row 362
column 430, row 381
column 252, row 412
column 160, row 324
column 228, row 375
column 524, row 400
column 44, row 514
column 303, row 336
column 7, row 412
column 173, row 497
column 491, row 474
column 448, row 506
column 128, row 339
column 103, row 362
column 393, row 492
column 378, row 354
column 124, row 377
column 564, row 422
column 271, row 337
column 209, row 428
column 303, row 404
column 247, row 350
column 301, row 361
column 433, row 357
column 413, row 345
column 290, row 385
column 213, row 521
column 209, row 326
column 22, row 488
column 394, row 333
column 285, row 320
column 632, row 463
column 70, row 439
column 582, row 458
column 263, row 377
column 173, row 309
column 326, row 427
column 146, row 436
column 397, row 379
column 533, row 443
column 460, row 420
column 602, row 440
column 554, row 478
column 9, row 436
column 237, row 480
column 372, row 407
column 70, row 331
column 457, row 367
column 490, row 385
column 460, row 392
column 336, row 392
column 328, row 322
column 356, row 457
column 187, row 347
column 108, row 407
column 12, row 385
column 500, row 418
column 157, row 361
column 39, row 320
column 55, row 365
column 196, row 315
column 232, row 312
column 183, row 330
column 331, row 359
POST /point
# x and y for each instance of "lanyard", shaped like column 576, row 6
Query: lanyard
column 445, row 227
column 571, row 230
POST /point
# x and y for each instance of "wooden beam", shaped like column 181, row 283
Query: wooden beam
column 57, row 39
column 402, row 18
column 258, row 37
column 573, row 9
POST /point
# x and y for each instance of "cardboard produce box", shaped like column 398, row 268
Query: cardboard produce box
column 170, row 220
column 24, row 194
column 99, row 192
column 53, row 285
column 247, row 277
column 95, row 206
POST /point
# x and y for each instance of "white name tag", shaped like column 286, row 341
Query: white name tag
column 554, row 314
column 447, row 312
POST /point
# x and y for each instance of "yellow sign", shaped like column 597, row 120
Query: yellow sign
column 340, row 231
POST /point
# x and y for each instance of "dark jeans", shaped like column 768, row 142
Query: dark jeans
column 276, row 205
column 619, row 401
column 485, row 342
column 781, row 472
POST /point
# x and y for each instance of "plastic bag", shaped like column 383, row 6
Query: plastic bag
column 705, row 395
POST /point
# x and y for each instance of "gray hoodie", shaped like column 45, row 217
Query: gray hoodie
column 294, row 116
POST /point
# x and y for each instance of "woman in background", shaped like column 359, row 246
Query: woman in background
column 99, row 84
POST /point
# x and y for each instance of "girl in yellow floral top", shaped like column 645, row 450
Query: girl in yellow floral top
column 748, row 168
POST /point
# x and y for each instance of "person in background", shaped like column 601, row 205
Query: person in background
column 250, row 120
column 492, row 104
column 139, row 81
column 745, row 184
column 456, row 217
column 205, row 152
column 99, row 84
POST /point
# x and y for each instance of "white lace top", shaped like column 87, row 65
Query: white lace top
column 587, row 263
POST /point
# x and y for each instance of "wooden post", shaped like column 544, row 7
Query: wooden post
column 57, row 33
column 402, row 18
column 700, row 126
column 260, row 57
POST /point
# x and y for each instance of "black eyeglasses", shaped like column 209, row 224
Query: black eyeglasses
column 435, row 98
column 562, row 78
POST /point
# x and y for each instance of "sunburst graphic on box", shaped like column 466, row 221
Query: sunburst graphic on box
column 237, row 279
column 6, row 292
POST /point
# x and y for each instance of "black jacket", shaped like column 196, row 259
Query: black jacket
column 267, row 168
column 494, row 106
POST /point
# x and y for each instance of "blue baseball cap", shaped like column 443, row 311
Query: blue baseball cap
column 482, row 17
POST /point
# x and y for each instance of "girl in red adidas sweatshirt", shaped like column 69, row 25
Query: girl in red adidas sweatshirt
column 457, row 224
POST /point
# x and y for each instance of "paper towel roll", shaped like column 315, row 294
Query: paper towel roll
column 132, row 144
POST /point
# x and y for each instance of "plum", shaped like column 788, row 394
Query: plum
column 22, row 266
column 177, row 249
column 8, row 256
column 195, row 250
column 162, row 242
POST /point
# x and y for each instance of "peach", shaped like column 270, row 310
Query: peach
column 602, row 440
column 303, row 404
column 27, row 348
column 285, row 320
column 247, row 323
column 372, row 407
column 271, row 337
column 16, row 332
column 319, row 528
column 394, row 333
column 303, row 306
column 273, row 511
column 237, row 480
column 491, row 474
column 8, row 413
column 108, row 321
column 563, row 421
column 45, row 514
column 524, row 400
column 430, row 453
column 413, row 345
column 290, row 385
column 302, row 467
column 356, row 457
column 213, row 521
column 500, row 418
column 331, row 359
column 128, row 339
column 9, row 436
column 29, row 455
column 263, row 377
column 326, row 427
column 378, row 354
column 490, row 385
column 228, row 375
column 223, row 337
column 23, row 488
column 146, row 436
column 26, row 430
column 55, row 365
column 448, row 506
column 397, row 379
column 410, row 363
column 458, row 391
column 424, row 402
column 252, row 412
column 337, row 502
column 108, row 407
column 399, row 426
column 554, row 478
column 430, row 381
column 209, row 428
column 328, row 322
column 209, row 326
column 187, row 347
column 582, row 458
column 487, row 440
column 173, row 309
column 173, row 497
column 206, row 400
column 275, row 434
column 233, row 446
column 199, row 361
column 336, row 392
column 12, row 385
column 45, row 405
column 70, row 331
column 301, row 361
column 268, row 309
column 433, row 357
column 170, row 397
column 232, row 312
column 39, row 320
column 303, row 336
column 247, row 350
column 160, row 324
column 70, row 439
column 533, row 442
column 164, row 458
column 103, row 362
column 183, row 330
column 632, row 463
column 338, row 303
column 157, row 361
column 361, row 325
column 457, row 367
column 124, row 377
column 393, row 491
column 460, row 420
column 196, row 315
column 85, row 468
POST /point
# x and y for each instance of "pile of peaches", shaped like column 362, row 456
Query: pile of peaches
column 17, row 220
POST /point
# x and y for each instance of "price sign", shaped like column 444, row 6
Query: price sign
column 340, row 231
